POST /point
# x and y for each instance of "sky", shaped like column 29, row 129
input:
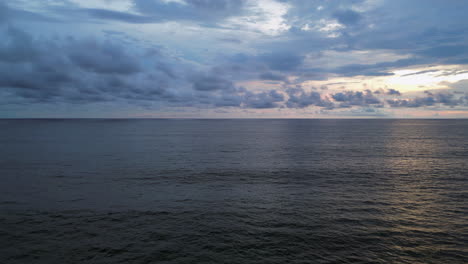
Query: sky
column 234, row 58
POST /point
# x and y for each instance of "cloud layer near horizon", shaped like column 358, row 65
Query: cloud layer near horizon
column 276, row 58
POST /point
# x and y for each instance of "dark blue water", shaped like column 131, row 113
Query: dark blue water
column 234, row 191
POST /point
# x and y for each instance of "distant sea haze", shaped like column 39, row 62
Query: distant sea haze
column 233, row 191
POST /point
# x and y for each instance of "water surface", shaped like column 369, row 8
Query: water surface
column 233, row 191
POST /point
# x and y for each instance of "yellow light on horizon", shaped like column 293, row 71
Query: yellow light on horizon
column 407, row 80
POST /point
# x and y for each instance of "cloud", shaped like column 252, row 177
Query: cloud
column 207, row 12
column 270, row 99
column 356, row 98
column 445, row 51
column 282, row 61
column 227, row 100
column 190, row 10
column 361, row 69
column 16, row 46
column 461, row 85
column 419, row 72
column 8, row 13
column 216, row 46
column 451, row 72
column 77, row 71
column 272, row 76
column 447, row 99
column 231, row 40
column 4, row 13
column 117, row 15
column 298, row 98
column 103, row 58
column 393, row 92
column 347, row 17
column 211, row 83
column 87, row 71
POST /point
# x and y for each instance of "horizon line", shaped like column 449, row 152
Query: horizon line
column 233, row 118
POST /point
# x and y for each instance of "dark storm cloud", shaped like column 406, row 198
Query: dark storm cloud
column 227, row 100
column 211, row 83
column 231, row 40
column 361, row 69
column 116, row 15
column 412, row 28
column 87, row 71
column 421, row 34
column 282, row 61
column 298, row 98
column 272, row 76
column 74, row 71
column 393, row 92
column 460, row 86
column 445, row 51
column 270, row 99
column 356, row 98
column 28, row 70
column 347, row 17
column 266, row 66
column 16, row 46
column 196, row 10
column 419, row 72
column 7, row 13
column 115, row 68
column 452, row 72
column 217, row 5
column 32, row 77
column 103, row 58
column 431, row 99
column 377, row 69
column 207, row 12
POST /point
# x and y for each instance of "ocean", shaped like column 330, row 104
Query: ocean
column 233, row 191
